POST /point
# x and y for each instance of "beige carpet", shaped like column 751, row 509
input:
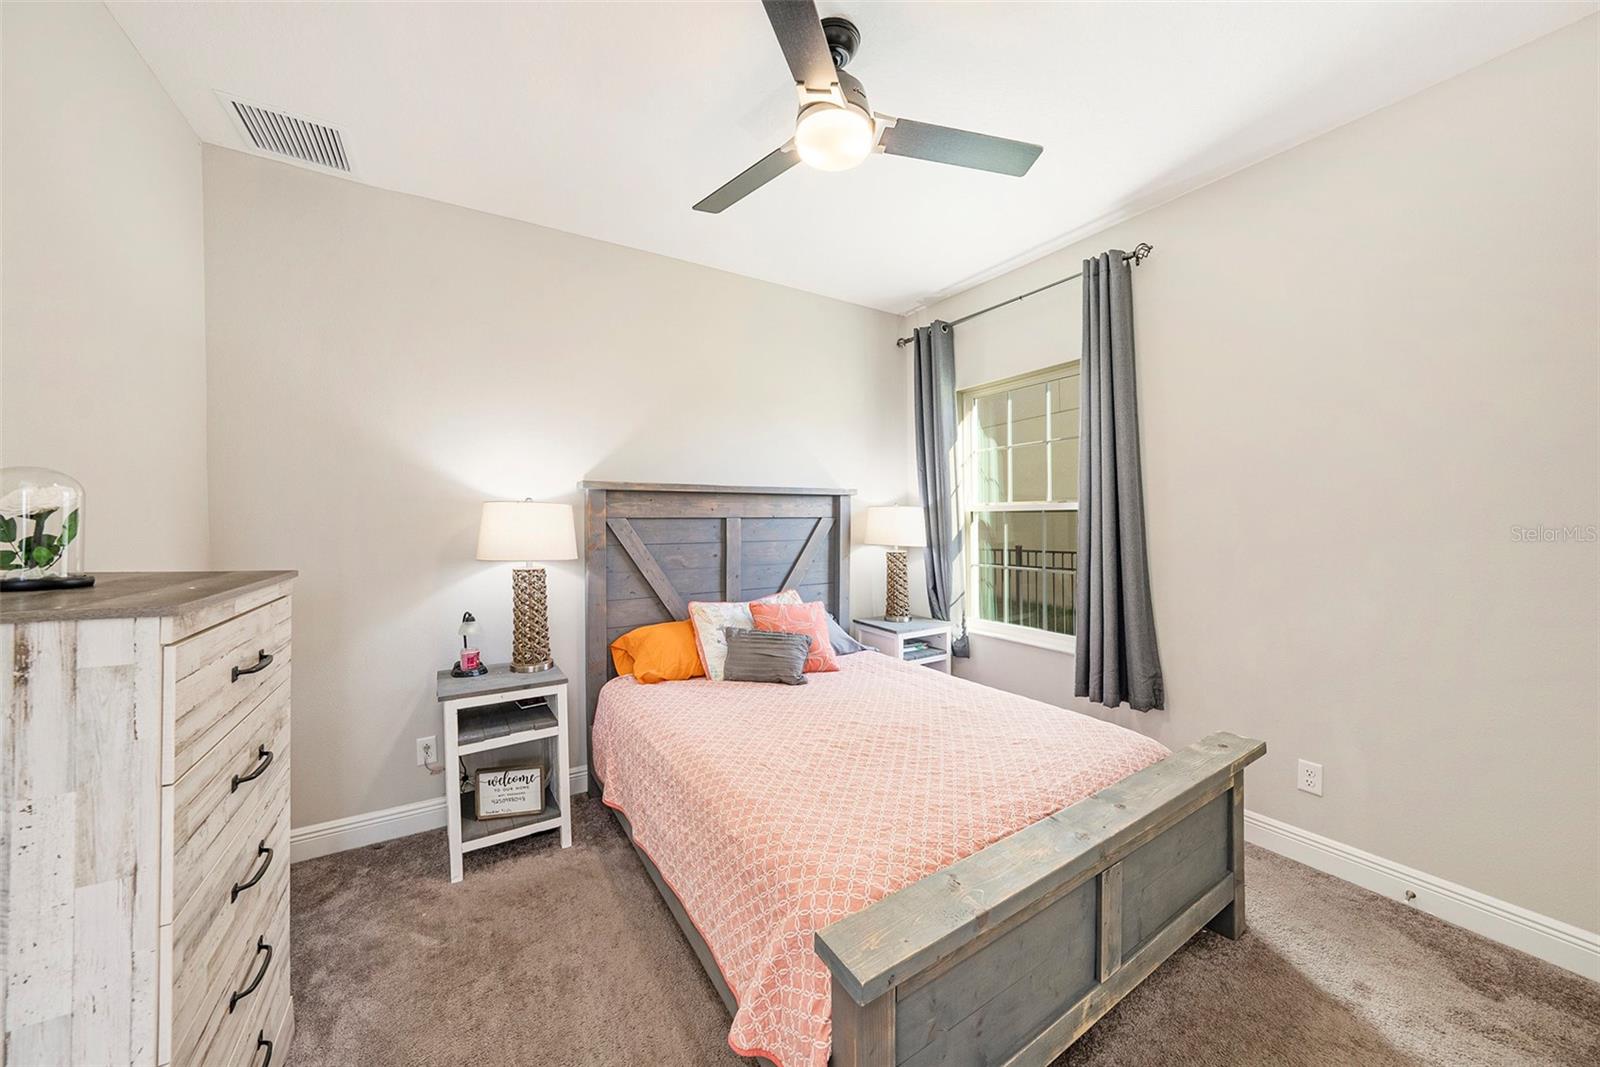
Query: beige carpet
column 545, row 958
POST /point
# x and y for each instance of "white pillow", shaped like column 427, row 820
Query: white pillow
column 709, row 617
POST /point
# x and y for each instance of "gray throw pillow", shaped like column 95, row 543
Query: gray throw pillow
column 843, row 644
column 765, row 656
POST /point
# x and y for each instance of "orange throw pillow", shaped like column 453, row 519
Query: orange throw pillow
column 665, row 652
column 809, row 619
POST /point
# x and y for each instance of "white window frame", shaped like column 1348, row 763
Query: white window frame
column 966, row 482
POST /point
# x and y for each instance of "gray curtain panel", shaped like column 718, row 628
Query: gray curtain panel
column 936, row 443
column 1116, row 630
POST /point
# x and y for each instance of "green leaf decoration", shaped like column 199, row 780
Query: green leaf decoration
column 47, row 540
column 8, row 528
column 8, row 560
column 69, row 529
column 42, row 556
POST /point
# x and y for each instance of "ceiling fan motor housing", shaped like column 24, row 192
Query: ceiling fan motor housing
column 855, row 97
column 854, row 94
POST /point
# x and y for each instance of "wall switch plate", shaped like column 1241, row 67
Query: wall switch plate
column 1309, row 778
column 427, row 751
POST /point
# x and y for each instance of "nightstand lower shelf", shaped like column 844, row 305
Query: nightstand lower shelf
column 481, row 833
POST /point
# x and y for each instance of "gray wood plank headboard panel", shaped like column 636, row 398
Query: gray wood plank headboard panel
column 650, row 548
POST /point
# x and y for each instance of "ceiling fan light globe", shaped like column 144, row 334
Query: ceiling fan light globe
column 830, row 137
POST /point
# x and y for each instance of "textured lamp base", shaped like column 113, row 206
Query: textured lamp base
column 530, row 625
column 897, row 597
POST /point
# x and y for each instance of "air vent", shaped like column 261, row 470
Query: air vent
column 291, row 136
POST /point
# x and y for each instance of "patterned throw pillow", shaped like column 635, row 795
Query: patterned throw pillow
column 711, row 617
column 762, row 656
column 809, row 619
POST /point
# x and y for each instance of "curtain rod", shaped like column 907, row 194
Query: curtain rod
column 1140, row 251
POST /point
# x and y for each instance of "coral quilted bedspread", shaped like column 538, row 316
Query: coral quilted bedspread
column 773, row 810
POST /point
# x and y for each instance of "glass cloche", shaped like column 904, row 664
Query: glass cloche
column 41, row 530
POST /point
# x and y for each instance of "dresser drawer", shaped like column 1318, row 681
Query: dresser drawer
column 218, row 799
column 215, row 678
column 251, row 966
column 267, row 1029
column 280, row 1027
column 232, row 903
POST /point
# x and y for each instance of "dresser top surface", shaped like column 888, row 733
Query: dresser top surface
column 135, row 594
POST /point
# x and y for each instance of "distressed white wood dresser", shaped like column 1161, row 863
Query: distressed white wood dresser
column 144, row 873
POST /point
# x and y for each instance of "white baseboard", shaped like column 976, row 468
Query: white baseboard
column 356, row 831
column 1549, row 939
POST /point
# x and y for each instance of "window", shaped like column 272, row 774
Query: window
column 1018, row 486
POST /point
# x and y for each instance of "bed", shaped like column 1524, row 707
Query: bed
column 886, row 866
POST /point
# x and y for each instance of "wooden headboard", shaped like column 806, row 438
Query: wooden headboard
column 650, row 548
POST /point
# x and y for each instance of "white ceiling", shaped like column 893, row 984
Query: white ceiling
column 610, row 120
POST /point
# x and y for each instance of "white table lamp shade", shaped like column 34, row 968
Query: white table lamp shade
column 526, row 530
column 897, row 527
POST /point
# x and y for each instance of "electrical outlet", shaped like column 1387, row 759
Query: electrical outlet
column 1309, row 778
column 427, row 751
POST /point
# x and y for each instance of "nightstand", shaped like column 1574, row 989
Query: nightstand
column 490, row 721
column 925, row 641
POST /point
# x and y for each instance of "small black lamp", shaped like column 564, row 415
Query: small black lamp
column 470, row 665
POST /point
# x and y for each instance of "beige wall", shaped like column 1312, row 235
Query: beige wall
column 1362, row 364
column 102, row 347
column 381, row 364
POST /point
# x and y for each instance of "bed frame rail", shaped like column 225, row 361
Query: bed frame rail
column 1008, row 956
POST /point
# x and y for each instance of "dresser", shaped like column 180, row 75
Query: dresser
column 144, row 771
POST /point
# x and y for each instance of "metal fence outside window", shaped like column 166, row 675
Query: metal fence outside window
column 1040, row 586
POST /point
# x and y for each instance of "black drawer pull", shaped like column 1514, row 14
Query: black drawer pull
column 263, row 660
column 265, row 755
column 261, row 946
column 262, row 1042
column 240, row 887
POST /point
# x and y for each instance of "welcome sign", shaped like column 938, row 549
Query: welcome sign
column 506, row 791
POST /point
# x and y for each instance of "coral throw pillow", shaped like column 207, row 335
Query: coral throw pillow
column 664, row 652
column 711, row 618
column 809, row 619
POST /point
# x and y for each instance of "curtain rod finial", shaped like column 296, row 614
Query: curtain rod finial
column 1140, row 251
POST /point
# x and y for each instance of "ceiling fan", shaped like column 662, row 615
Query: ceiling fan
column 836, row 130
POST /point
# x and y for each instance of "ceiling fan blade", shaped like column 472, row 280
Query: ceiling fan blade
column 750, row 179
column 800, row 36
column 959, row 148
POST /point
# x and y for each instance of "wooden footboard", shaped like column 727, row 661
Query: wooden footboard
column 1008, row 956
